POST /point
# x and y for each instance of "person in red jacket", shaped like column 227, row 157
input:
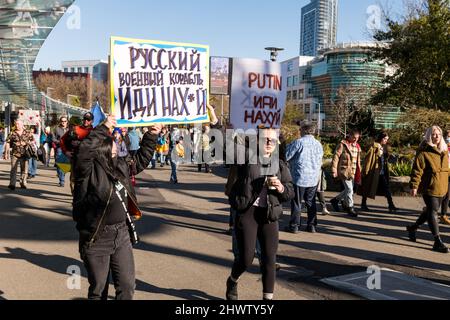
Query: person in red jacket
column 71, row 141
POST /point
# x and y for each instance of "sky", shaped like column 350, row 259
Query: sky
column 232, row 28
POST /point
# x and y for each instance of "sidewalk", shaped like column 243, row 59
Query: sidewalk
column 343, row 245
column 185, row 253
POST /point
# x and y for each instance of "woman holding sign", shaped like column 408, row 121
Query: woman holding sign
column 257, row 197
column 103, row 205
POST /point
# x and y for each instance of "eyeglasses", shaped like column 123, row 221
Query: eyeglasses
column 64, row 121
column 87, row 120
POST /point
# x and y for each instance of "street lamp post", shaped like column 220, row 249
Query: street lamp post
column 274, row 52
column 319, row 117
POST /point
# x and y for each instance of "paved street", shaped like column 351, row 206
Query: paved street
column 185, row 253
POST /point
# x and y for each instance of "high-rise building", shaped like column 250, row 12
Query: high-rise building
column 318, row 28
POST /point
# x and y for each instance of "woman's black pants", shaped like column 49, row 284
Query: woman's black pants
column 250, row 226
column 431, row 214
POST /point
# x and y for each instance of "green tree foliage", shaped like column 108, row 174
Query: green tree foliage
column 418, row 48
column 293, row 115
column 415, row 122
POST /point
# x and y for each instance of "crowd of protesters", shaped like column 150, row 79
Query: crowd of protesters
column 105, row 160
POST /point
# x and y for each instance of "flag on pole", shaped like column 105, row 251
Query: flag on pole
column 99, row 114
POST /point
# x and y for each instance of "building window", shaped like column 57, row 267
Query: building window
column 66, row 69
column 294, row 95
column 86, row 70
column 72, row 69
column 289, row 95
column 290, row 66
column 301, row 94
column 295, row 81
column 289, row 82
column 307, row 108
column 80, row 70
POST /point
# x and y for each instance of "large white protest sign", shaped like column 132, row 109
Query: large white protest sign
column 158, row 82
column 258, row 93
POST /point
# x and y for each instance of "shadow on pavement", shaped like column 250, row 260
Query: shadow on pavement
column 368, row 255
column 186, row 294
column 54, row 263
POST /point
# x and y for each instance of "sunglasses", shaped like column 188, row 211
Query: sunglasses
column 271, row 141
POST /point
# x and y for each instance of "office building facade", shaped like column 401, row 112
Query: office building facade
column 343, row 70
column 97, row 69
column 318, row 29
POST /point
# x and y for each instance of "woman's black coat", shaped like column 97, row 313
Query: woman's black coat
column 94, row 187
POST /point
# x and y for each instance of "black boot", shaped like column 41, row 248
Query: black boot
column 439, row 246
column 335, row 203
column 232, row 290
column 364, row 206
column 392, row 208
column 351, row 212
column 412, row 229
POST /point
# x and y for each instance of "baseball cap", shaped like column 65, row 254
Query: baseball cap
column 88, row 116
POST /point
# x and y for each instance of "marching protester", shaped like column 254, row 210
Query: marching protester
column 430, row 178
column 159, row 154
column 122, row 150
column 134, row 141
column 346, row 166
column 32, row 162
column 321, row 188
column 257, row 199
column 102, row 205
column 19, row 143
column 305, row 157
column 71, row 141
column 60, row 131
column 205, row 144
column 180, row 153
column 375, row 175
column 444, row 218
column 2, row 141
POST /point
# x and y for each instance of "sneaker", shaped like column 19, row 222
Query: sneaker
column 230, row 231
column 232, row 290
column 412, row 233
column 23, row 186
column 365, row 208
column 61, row 185
column 291, row 230
column 393, row 210
column 12, row 188
column 311, row 229
column 277, row 267
column 325, row 211
column 445, row 220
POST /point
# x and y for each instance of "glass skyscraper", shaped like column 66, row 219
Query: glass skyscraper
column 318, row 28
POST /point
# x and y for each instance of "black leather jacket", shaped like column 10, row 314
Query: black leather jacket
column 94, row 187
column 249, row 185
